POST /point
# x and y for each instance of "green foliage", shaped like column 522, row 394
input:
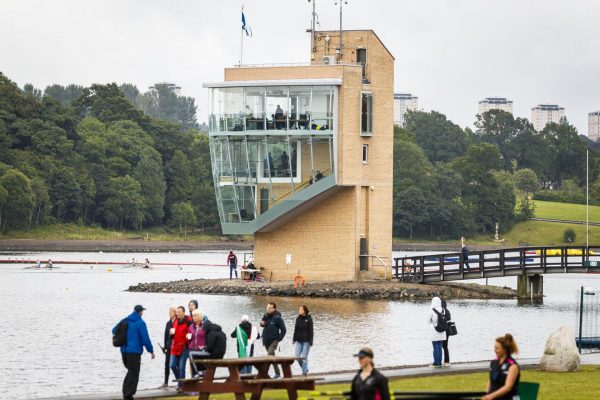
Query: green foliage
column 16, row 200
column 91, row 156
column 440, row 139
column 525, row 209
column 569, row 235
column 124, row 206
column 526, row 180
column 182, row 215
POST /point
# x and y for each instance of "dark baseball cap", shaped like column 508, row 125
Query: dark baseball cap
column 138, row 308
column 364, row 352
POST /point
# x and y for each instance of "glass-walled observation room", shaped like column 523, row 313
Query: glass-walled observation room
column 271, row 108
column 268, row 143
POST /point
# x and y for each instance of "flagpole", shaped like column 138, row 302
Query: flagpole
column 242, row 41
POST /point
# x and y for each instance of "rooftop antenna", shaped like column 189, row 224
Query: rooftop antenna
column 313, row 26
column 342, row 2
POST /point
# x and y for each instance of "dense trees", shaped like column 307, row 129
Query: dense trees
column 88, row 155
column 450, row 182
column 113, row 156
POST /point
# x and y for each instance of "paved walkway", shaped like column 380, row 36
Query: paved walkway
column 343, row 377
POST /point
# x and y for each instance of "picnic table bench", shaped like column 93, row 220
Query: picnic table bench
column 241, row 384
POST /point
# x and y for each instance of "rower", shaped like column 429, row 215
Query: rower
column 49, row 265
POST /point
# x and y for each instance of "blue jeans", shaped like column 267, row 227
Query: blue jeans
column 232, row 269
column 302, row 349
column 437, row 353
column 177, row 365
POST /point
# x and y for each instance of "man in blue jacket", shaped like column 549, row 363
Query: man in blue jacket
column 131, row 352
column 273, row 332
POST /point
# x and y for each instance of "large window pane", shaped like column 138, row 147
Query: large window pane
column 322, row 108
column 277, row 107
column 234, row 109
column 215, row 104
column 299, row 107
column 255, row 108
column 366, row 114
column 278, row 159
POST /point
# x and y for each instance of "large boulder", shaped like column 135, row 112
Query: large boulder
column 560, row 354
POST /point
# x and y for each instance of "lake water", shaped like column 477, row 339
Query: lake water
column 56, row 324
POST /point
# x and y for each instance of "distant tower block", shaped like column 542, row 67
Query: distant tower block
column 302, row 159
column 594, row 125
column 543, row 114
column 495, row 103
column 404, row 102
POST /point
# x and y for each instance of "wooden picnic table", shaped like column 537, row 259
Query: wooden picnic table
column 238, row 384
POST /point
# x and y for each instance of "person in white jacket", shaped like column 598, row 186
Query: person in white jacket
column 436, row 337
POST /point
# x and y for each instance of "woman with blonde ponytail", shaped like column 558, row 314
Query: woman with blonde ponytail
column 505, row 372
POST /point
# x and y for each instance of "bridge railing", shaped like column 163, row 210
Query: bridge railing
column 495, row 263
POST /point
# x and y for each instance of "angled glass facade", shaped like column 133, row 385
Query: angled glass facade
column 269, row 143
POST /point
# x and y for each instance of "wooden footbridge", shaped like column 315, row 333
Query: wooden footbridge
column 527, row 263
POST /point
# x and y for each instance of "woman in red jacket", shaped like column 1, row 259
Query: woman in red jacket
column 179, row 341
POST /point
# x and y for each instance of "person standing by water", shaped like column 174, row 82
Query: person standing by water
column 243, row 333
column 192, row 305
column 505, row 372
column 303, row 337
column 273, row 332
column 232, row 261
column 464, row 250
column 131, row 352
column 179, row 341
column 438, row 335
column 448, row 318
column 167, row 346
column 369, row 384
column 197, row 341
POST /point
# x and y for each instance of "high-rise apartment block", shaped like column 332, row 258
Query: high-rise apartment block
column 404, row 102
column 594, row 125
column 543, row 114
column 495, row 103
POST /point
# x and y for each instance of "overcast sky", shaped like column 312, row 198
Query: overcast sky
column 451, row 53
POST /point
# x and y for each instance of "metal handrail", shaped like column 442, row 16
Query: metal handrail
column 530, row 260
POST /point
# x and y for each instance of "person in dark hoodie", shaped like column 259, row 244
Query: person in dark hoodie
column 131, row 352
column 167, row 346
column 303, row 337
column 216, row 340
column 273, row 332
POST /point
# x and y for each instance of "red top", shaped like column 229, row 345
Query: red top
column 179, row 338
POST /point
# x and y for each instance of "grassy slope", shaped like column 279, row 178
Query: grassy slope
column 583, row 385
column 566, row 211
column 72, row 232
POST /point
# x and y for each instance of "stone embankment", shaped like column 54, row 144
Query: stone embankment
column 343, row 290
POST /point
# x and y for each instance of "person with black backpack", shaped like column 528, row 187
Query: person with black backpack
column 447, row 318
column 438, row 330
column 131, row 335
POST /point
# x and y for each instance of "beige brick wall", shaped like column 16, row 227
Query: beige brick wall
column 325, row 241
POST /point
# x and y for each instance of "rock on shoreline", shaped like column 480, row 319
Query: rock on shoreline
column 344, row 290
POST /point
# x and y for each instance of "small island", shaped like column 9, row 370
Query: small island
column 373, row 290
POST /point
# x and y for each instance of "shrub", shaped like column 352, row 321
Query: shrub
column 569, row 235
column 525, row 209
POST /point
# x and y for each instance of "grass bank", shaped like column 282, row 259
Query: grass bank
column 565, row 211
column 583, row 385
column 78, row 232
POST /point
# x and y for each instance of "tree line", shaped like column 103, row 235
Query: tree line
column 450, row 181
column 93, row 155
column 112, row 156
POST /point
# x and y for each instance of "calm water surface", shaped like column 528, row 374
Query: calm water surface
column 56, row 324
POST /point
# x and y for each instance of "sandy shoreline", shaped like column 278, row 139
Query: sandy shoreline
column 139, row 245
